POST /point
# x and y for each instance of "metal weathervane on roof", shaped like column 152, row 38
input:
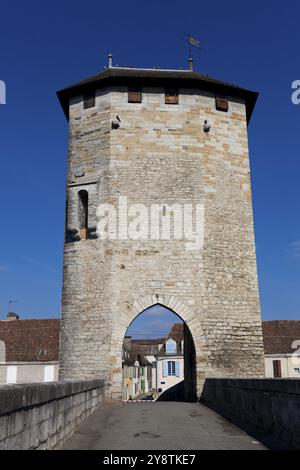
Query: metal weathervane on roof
column 191, row 41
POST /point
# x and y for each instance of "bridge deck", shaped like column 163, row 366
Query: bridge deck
column 161, row 425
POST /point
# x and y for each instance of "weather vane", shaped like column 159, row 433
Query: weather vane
column 192, row 41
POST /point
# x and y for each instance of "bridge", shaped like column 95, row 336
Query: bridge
column 233, row 414
column 158, row 426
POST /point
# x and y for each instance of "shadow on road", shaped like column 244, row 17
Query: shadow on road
column 175, row 393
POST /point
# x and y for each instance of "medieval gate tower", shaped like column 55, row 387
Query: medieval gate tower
column 158, row 137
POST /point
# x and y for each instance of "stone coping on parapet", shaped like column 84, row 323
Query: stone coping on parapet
column 20, row 396
column 280, row 385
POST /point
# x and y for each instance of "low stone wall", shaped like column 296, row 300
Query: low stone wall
column 41, row 416
column 268, row 409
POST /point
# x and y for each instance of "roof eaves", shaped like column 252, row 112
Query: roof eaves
column 191, row 79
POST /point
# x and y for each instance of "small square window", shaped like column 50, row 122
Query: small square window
column 297, row 370
column 42, row 352
column 222, row 104
column 89, row 99
column 171, row 96
column 134, row 95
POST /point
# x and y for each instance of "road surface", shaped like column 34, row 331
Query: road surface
column 159, row 425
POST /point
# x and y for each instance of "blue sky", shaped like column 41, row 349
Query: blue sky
column 154, row 322
column 45, row 46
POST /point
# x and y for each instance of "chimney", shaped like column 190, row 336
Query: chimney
column 127, row 343
column 110, row 58
column 11, row 316
column 191, row 68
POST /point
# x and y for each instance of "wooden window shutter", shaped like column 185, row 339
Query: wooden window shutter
column 222, row 104
column 171, row 96
column 134, row 95
column 89, row 99
column 277, row 368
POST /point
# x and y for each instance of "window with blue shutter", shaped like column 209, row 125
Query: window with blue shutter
column 171, row 368
column 165, row 368
column 177, row 369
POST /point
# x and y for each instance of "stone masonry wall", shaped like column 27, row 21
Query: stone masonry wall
column 160, row 154
column 266, row 408
column 41, row 416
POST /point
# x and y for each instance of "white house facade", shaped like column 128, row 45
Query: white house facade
column 170, row 360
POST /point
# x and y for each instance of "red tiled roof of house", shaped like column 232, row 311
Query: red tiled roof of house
column 279, row 335
column 31, row 340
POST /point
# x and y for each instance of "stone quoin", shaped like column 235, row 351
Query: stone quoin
column 159, row 137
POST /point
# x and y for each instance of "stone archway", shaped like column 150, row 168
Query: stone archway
column 194, row 335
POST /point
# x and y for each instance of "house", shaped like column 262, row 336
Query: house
column 153, row 365
column 139, row 366
column 149, row 348
column 137, row 376
column 170, row 359
column 131, row 377
column 28, row 350
column 137, row 371
column 282, row 348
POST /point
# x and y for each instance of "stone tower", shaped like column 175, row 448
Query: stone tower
column 158, row 138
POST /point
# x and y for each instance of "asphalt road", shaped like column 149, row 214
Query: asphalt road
column 159, row 425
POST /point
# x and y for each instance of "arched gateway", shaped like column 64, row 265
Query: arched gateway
column 161, row 157
column 194, row 357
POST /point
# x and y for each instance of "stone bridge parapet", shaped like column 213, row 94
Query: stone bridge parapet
column 42, row 415
column 268, row 409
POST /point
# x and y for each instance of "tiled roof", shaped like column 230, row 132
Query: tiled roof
column 279, row 335
column 132, row 357
column 156, row 77
column 176, row 333
column 145, row 347
column 148, row 341
column 31, row 340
